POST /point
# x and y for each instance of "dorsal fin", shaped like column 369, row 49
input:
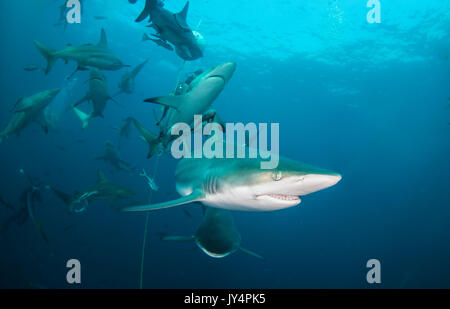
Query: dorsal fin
column 103, row 40
column 101, row 177
column 181, row 17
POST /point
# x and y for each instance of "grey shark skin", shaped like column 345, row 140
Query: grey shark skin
column 124, row 130
column 98, row 94
column 217, row 235
column 88, row 55
column 28, row 110
column 127, row 83
column 154, row 141
column 27, row 204
column 103, row 189
column 241, row 184
column 173, row 28
column 158, row 41
column 196, row 100
column 112, row 157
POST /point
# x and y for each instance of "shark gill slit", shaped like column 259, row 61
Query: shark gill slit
column 144, row 241
column 210, row 186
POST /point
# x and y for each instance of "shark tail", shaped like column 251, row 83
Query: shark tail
column 83, row 117
column 145, row 37
column 48, row 53
column 64, row 197
column 149, row 4
column 154, row 142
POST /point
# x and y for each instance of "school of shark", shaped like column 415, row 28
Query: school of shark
column 220, row 186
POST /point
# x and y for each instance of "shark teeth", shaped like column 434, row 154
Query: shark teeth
column 282, row 197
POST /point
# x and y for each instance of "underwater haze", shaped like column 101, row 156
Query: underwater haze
column 370, row 101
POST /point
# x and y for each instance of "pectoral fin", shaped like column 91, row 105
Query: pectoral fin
column 115, row 101
column 178, row 238
column 16, row 104
column 193, row 197
column 85, row 98
column 251, row 253
column 170, row 101
column 43, row 123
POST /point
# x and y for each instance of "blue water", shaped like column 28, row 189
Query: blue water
column 369, row 101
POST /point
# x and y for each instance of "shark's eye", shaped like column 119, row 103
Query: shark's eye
column 276, row 175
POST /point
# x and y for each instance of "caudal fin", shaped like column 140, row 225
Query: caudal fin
column 83, row 117
column 145, row 37
column 64, row 197
column 149, row 4
column 48, row 53
column 153, row 140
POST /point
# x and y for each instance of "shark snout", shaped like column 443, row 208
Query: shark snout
column 225, row 70
column 54, row 92
column 316, row 182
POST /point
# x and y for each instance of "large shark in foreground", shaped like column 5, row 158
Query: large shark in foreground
column 241, row 184
column 103, row 189
column 173, row 28
column 98, row 94
column 196, row 99
column 217, row 235
column 88, row 55
column 28, row 110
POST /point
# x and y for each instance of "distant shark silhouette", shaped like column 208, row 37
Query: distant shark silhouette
column 27, row 204
column 196, row 99
column 112, row 157
column 98, row 94
column 98, row 56
column 127, row 83
column 103, row 189
column 28, row 110
column 173, row 28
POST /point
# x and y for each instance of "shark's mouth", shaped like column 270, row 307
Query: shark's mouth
column 281, row 197
column 218, row 76
column 98, row 79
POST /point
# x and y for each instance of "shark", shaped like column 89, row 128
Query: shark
column 173, row 28
column 158, row 41
column 124, row 130
column 26, row 210
column 127, row 82
column 217, row 235
column 112, row 157
column 196, row 98
column 62, row 20
column 28, row 110
column 240, row 184
column 103, row 189
column 98, row 94
column 88, row 55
